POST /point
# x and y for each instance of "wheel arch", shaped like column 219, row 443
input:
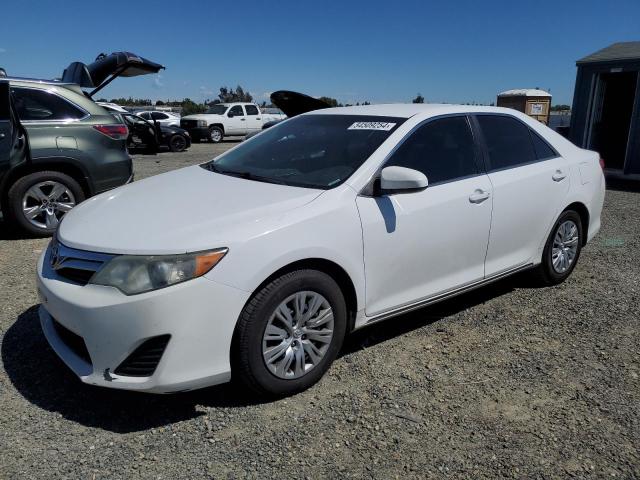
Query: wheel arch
column 582, row 210
column 329, row 267
column 217, row 125
column 58, row 164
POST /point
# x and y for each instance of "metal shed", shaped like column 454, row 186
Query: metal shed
column 606, row 106
column 534, row 102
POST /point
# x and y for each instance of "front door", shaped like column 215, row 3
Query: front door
column 236, row 123
column 421, row 244
column 530, row 181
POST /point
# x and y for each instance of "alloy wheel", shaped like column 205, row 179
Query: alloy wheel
column 216, row 135
column 298, row 335
column 45, row 203
column 565, row 246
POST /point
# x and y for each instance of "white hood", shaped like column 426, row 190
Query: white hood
column 186, row 210
column 202, row 116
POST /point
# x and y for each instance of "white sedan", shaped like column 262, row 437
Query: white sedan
column 257, row 264
column 168, row 119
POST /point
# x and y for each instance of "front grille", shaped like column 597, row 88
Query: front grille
column 144, row 359
column 74, row 342
column 77, row 266
column 188, row 123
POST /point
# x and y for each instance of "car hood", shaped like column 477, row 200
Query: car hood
column 186, row 210
column 201, row 116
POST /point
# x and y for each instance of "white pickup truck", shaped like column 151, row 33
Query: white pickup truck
column 227, row 119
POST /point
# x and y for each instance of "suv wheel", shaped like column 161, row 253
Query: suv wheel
column 562, row 250
column 216, row 134
column 38, row 201
column 289, row 333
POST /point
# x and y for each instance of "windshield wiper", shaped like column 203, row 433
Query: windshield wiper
column 245, row 174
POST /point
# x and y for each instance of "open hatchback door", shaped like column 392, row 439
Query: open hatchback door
column 294, row 103
column 106, row 68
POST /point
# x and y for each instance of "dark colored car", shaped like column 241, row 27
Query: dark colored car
column 75, row 148
column 152, row 137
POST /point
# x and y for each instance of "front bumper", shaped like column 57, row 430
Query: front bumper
column 199, row 315
column 197, row 133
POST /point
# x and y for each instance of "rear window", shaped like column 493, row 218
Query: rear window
column 34, row 105
column 542, row 148
column 508, row 141
column 315, row 151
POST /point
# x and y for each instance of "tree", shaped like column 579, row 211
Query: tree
column 560, row 108
column 229, row 95
column 190, row 107
column 159, row 103
column 332, row 102
column 418, row 99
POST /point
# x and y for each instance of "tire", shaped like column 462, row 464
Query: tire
column 68, row 193
column 177, row 143
column 250, row 339
column 216, row 134
column 546, row 274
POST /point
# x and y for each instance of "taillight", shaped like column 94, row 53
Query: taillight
column 117, row 132
column 602, row 163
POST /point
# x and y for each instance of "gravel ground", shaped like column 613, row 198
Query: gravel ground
column 507, row 381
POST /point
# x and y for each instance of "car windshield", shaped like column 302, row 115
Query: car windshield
column 217, row 109
column 313, row 151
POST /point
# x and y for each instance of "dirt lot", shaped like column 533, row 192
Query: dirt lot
column 508, row 381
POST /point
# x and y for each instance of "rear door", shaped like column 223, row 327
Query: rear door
column 530, row 182
column 421, row 244
column 13, row 144
column 236, row 123
column 254, row 118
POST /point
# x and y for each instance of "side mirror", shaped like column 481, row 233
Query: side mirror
column 230, row 115
column 402, row 180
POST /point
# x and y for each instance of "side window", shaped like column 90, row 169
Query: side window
column 508, row 141
column 443, row 150
column 145, row 115
column 34, row 104
column 542, row 148
column 251, row 110
column 159, row 116
column 236, row 111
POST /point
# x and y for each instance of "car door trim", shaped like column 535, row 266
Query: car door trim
column 445, row 295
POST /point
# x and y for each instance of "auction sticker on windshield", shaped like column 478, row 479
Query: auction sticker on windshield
column 385, row 126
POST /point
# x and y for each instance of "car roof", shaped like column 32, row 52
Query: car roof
column 407, row 110
column 38, row 80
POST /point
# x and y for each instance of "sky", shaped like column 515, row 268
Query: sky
column 454, row 51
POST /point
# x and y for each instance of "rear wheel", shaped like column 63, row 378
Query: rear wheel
column 177, row 143
column 38, row 201
column 216, row 134
column 562, row 250
column 289, row 333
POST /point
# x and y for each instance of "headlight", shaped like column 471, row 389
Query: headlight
column 133, row 274
column 202, row 123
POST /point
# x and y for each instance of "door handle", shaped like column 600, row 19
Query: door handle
column 479, row 196
column 257, row 118
column 2, row 135
column 558, row 176
column 242, row 119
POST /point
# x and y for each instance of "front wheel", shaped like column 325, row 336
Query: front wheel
column 289, row 333
column 562, row 250
column 38, row 201
column 216, row 134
